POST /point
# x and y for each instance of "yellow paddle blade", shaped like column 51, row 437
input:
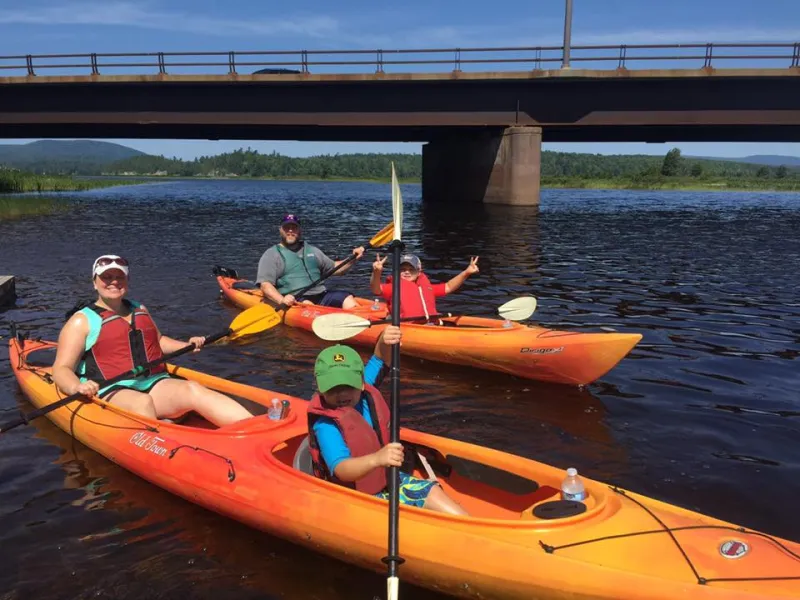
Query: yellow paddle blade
column 518, row 309
column 383, row 237
column 255, row 319
column 397, row 206
column 339, row 326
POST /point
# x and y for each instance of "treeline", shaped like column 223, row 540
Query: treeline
column 638, row 166
column 555, row 166
column 78, row 165
column 249, row 163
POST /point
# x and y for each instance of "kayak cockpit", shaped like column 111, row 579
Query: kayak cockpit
column 485, row 490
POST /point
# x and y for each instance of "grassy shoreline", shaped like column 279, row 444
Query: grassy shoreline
column 14, row 207
column 20, row 182
column 687, row 184
column 16, row 182
column 20, row 192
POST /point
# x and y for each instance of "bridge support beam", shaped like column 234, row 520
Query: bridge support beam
column 495, row 169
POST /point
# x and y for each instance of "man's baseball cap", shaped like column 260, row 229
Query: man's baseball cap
column 290, row 218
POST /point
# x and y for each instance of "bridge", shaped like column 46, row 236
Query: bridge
column 483, row 112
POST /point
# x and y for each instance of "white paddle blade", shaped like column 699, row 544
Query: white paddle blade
column 518, row 309
column 397, row 206
column 338, row 326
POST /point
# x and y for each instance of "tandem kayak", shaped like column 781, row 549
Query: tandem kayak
column 569, row 357
column 520, row 542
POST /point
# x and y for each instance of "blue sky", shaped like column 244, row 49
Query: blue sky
column 80, row 26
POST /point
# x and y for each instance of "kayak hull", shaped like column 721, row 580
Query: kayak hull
column 245, row 472
column 567, row 357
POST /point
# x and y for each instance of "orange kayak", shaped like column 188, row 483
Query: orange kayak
column 520, row 541
column 569, row 357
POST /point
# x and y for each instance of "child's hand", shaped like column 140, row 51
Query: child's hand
column 378, row 264
column 391, row 455
column 473, row 266
column 391, row 335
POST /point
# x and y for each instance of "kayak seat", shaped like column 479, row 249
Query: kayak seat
column 302, row 458
column 244, row 285
column 492, row 476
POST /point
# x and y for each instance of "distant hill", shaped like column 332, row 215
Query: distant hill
column 771, row 160
column 85, row 157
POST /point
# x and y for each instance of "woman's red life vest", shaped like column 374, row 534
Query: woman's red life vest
column 121, row 346
column 417, row 298
column 359, row 436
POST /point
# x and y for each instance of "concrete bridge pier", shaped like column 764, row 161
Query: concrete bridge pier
column 494, row 168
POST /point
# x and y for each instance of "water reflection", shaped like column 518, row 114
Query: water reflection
column 507, row 238
column 159, row 542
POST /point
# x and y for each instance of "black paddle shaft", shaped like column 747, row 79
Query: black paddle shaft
column 393, row 560
column 135, row 372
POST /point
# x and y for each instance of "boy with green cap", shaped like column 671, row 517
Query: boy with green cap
column 348, row 428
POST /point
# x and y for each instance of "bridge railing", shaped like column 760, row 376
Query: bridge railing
column 621, row 57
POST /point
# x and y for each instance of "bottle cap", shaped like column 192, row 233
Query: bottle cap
column 572, row 472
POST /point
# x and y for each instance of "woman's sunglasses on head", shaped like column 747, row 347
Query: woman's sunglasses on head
column 104, row 261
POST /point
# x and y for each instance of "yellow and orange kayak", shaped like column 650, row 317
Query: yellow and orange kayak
column 520, row 542
column 570, row 357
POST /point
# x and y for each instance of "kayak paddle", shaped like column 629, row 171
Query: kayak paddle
column 343, row 325
column 393, row 559
column 253, row 320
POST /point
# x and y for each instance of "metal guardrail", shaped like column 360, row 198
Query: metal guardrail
column 281, row 61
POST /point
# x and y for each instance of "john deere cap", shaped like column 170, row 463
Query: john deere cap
column 338, row 365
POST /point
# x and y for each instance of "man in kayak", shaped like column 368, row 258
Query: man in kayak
column 417, row 293
column 294, row 264
column 113, row 335
column 348, row 422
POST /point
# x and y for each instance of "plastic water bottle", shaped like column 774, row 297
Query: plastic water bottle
column 376, row 305
column 572, row 487
column 506, row 324
column 275, row 409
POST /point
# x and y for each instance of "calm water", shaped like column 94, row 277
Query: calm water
column 705, row 412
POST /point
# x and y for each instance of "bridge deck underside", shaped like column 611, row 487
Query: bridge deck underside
column 653, row 109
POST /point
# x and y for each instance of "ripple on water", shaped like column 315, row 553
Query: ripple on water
column 703, row 413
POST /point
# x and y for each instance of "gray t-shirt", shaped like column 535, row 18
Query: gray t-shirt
column 271, row 266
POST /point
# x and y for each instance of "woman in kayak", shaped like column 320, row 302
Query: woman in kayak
column 418, row 295
column 114, row 335
column 348, row 427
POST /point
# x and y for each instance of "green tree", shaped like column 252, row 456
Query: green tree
column 781, row 172
column 672, row 163
column 697, row 170
column 762, row 172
